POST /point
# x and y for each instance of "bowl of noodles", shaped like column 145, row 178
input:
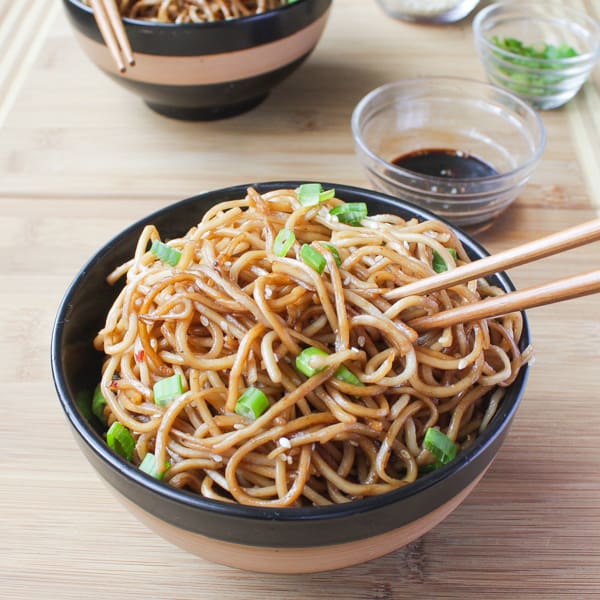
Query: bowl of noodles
column 240, row 368
column 203, row 59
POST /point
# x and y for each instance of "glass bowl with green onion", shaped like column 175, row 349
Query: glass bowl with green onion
column 541, row 51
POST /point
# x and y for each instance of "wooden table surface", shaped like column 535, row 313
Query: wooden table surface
column 81, row 158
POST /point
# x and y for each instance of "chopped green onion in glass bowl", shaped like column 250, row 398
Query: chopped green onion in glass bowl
column 541, row 51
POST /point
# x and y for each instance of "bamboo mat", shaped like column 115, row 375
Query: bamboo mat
column 80, row 159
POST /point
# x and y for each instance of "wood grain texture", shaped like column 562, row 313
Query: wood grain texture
column 80, row 158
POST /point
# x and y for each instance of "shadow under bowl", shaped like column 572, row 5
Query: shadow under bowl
column 289, row 540
column 207, row 71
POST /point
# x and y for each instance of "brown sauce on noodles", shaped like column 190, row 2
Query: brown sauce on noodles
column 232, row 314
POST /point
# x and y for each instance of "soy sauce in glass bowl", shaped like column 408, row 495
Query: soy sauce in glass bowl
column 443, row 162
column 463, row 121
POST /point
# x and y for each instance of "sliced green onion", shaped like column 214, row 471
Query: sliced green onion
column 98, row 404
column 303, row 361
column 166, row 390
column 439, row 264
column 440, row 445
column 252, row 403
column 304, row 365
column 310, row 194
column 326, row 195
column 313, row 258
column 334, row 251
column 343, row 373
column 351, row 213
column 119, row 438
column 165, row 253
column 284, row 240
column 148, row 465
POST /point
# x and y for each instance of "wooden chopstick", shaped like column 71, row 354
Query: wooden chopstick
column 548, row 293
column 566, row 239
column 113, row 32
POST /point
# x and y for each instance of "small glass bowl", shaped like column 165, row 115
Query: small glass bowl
column 544, row 83
column 445, row 113
column 433, row 11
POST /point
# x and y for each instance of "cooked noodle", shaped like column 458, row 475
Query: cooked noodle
column 193, row 11
column 233, row 314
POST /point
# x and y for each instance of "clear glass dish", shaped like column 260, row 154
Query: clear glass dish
column 431, row 11
column 470, row 117
column 545, row 83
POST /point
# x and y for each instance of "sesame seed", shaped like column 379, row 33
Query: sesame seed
column 283, row 441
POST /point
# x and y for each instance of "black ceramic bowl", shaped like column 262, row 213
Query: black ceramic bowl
column 208, row 70
column 273, row 540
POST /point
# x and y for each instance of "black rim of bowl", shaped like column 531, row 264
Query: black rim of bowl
column 94, row 441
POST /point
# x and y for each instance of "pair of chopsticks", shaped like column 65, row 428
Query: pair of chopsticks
column 548, row 293
column 113, row 32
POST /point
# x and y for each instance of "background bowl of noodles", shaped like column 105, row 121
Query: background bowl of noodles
column 207, row 70
column 286, row 540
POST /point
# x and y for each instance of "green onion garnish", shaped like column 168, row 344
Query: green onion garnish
column 166, row 390
column 165, row 253
column 119, row 438
column 313, row 258
column 284, row 240
column 303, row 361
column 252, row 403
column 334, row 251
column 148, row 465
column 351, row 213
column 326, row 195
column 98, row 404
column 343, row 373
column 439, row 264
column 440, row 445
column 543, row 51
column 310, row 194
column 540, row 58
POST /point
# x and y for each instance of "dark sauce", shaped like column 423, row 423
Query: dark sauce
column 451, row 164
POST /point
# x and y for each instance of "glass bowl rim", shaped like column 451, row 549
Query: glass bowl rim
column 399, row 172
column 524, row 9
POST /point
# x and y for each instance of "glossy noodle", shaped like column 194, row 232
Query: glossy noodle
column 193, row 11
column 243, row 412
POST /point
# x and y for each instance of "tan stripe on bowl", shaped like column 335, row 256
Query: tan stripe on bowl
column 211, row 68
column 296, row 560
